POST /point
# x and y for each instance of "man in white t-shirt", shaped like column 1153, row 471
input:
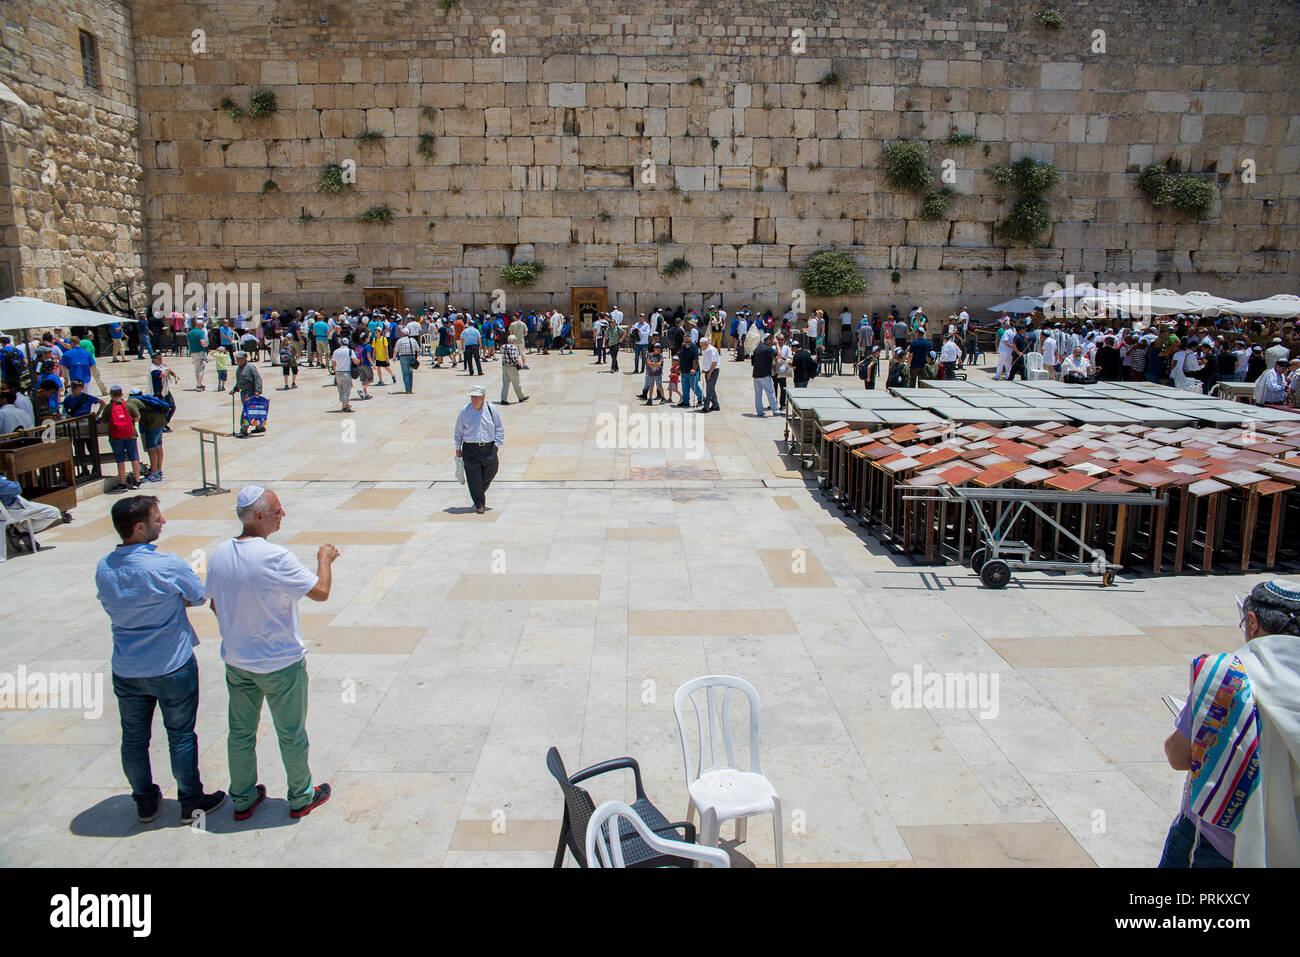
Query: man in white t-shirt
column 254, row 588
column 343, row 373
column 812, row 328
column 710, row 369
column 616, row 316
column 1005, row 350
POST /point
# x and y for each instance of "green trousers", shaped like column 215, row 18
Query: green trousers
column 285, row 692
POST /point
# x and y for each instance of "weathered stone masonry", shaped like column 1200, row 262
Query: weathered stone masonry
column 539, row 150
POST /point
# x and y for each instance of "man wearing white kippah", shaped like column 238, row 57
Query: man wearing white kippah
column 254, row 588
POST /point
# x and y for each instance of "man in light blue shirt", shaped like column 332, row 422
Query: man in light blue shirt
column 145, row 593
column 469, row 340
column 478, row 434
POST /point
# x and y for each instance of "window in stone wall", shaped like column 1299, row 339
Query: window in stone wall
column 89, row 60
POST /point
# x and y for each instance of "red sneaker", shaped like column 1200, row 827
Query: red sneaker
column 321, row 795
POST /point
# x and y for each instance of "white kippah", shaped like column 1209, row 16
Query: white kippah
column 248, row 495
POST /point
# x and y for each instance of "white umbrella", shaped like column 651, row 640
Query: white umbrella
column 1065, row 301
column 24, row 312
column 21, row 313
column 1019, row 304
column 1209, row 305
column 1134, row 302
column 1281, row 306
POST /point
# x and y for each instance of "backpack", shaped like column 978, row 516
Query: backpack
column 11, row 365
column 119, row 422
column 153, row 404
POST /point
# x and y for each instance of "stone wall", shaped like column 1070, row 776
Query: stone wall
column 70, row 187
column 541, row 150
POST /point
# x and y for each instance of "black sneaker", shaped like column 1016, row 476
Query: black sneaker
column 147, row 810
column 207, row 805
column 321, row 795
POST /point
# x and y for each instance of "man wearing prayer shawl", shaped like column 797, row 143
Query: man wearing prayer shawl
column 1238, row 738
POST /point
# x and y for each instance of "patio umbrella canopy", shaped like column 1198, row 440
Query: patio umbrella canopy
column 1274, row 307
column 23, row 312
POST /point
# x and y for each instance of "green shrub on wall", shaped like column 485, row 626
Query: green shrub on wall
column 1029, row 217
column 520, row 274
column 377, row 214
column 676, row 266
column 1183, row 191
column 907, row 165
column 831, row 273
column 331, row 179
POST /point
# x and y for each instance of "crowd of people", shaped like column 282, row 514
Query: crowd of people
column 1188, row 352
column 678, row 353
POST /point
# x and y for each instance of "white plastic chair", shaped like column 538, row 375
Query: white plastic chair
column 427, row 342
column 10, row 519
column 721, row 791
column 1034, row 366
column 611, row 852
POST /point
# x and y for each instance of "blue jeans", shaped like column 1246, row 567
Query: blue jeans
column 638, row 357
column 405, row 363
column 1178, row 848
column 691, row 383
column 177, row 695
column 145, row 346
column 763, row 387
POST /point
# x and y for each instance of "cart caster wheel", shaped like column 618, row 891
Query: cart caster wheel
column 995, row 573
column 977, row 559
column 1108, row 579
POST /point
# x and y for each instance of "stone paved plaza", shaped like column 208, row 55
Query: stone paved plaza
column 456, row 648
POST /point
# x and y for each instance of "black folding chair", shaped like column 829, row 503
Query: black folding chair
column 578, row 808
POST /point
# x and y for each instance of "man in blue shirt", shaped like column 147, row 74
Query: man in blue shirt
column 80, row 402
column 77, row 363
column 469, row 340
column 478, row 434
column 142, row 328
column 321, row 331
column 119, row 341
column 145, row 593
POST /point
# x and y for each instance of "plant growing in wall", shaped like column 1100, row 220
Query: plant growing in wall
column 349, row 279
column 829, row 80
column 961, row 139
column 231, row 107
column 907, row 165
column 270, row 186
column 936, row 203
column 261, row 103
column 1166, row 186
column 331, row 179
column 448, row 5
column 377, row 214
column 1030, row 180
column 426, row 147
column 831, row 273
column 369, row 138
column 520, row 274
column 1050, row 17
column 676, row 266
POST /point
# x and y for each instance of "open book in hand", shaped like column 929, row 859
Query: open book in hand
column 1174, row 703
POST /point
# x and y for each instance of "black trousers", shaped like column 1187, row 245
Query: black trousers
column 711, row 389
column 613, row 358
column 471, row 355
column 480, row 469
